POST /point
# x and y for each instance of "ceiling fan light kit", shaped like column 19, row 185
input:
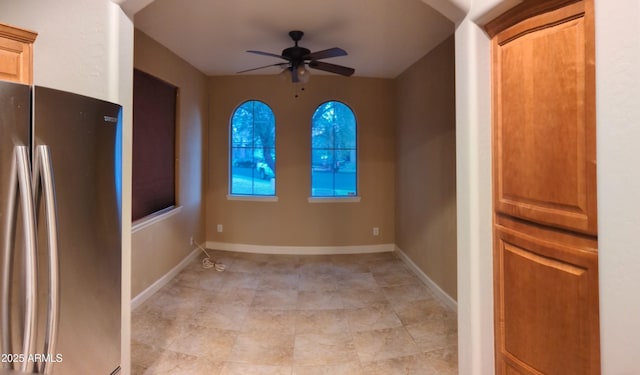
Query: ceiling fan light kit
column 300, row 58
column 303, row 74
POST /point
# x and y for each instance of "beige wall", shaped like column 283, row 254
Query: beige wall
column 157, row 248
column 292, row 220
column 426, row 165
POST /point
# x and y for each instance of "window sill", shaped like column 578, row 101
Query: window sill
column 253, row 198
column 154, row 218
column 334, row 199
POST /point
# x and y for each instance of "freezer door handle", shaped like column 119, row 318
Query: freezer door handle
column 43, row 183
column 7, row 259
column 21, row 187
column 31, row 271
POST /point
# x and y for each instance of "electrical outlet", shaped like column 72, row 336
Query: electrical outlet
column 220, row 228
column 376, row 231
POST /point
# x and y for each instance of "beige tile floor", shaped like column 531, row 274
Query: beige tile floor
column 295, row 315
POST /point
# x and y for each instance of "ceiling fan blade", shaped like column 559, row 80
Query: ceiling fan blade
column 262, row 67
column 332, row 68
column 326, row 53
column 267, row 54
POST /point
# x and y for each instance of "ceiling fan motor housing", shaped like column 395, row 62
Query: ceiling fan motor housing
column 295, row 54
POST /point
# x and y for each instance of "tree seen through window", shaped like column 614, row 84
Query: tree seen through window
column 333, row 151
column 253, row 151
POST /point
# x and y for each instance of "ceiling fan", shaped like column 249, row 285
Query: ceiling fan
column 298, row 58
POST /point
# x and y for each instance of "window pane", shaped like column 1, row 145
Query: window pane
column 252, row 152
column 333, row 154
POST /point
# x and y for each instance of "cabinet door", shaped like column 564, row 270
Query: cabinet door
column 544, row 123
column 546, row 303
column 545, row 226
column 16, row 54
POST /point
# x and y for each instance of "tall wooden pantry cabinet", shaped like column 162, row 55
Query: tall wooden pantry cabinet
column 544, row 189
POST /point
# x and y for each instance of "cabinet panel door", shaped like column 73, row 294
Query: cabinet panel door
column 16, row 54
column 544, row 125
column 546, row 302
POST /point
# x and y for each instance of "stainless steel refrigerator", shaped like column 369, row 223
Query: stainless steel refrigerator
column 60, row 232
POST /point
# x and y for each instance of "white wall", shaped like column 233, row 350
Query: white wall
column 618, row 134
column 86, row 46
column 473, row 150
column 618, row 131
column 78, row 47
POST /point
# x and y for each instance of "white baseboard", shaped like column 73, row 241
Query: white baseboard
column 439, row 293
column 164, row 280
column 300, row 250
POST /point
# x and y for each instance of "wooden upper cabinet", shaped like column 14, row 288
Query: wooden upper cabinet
column 16, row 54
column 544, row 123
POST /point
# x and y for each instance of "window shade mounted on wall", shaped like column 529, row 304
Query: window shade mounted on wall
column 154, row 135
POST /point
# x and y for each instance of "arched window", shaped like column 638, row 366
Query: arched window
column 334, row 168
column 252, row 151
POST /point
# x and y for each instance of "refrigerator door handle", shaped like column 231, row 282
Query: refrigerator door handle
column 7, row 259
column 43, row 183
column 31, row 271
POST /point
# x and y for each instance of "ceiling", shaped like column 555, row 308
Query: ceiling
column 382, row 37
